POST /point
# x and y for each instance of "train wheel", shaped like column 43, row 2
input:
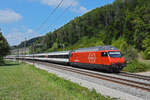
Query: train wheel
column 111, row 71
column 116, row 71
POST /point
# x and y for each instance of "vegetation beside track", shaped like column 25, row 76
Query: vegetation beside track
column 25, row 82
column 136, row 66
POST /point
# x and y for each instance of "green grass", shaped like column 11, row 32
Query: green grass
column 25, row 82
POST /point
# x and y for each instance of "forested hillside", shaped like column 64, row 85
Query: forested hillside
column 124, row 24
column 4, row 47
column 27, row 43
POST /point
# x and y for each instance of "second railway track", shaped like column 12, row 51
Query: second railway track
column 147, row 78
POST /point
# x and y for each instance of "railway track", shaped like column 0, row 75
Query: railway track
column 147, row 78
column 131, row 83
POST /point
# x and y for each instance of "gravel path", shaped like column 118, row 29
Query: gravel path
column 115, row 90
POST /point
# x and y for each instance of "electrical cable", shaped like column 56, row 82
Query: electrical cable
column 60, row 16
column 42, row 24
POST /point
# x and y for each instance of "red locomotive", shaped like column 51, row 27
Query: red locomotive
column 104, row 57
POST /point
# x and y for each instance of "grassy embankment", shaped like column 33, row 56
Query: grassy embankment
column 25, row 82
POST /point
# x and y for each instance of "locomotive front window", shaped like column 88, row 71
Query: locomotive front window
column 114, row 54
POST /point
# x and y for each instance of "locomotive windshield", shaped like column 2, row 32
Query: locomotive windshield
column 114, row 54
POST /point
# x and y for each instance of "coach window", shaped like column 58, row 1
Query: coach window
column 104, row 54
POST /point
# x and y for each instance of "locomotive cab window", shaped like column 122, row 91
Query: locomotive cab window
column 104, row 54
column 115, row 54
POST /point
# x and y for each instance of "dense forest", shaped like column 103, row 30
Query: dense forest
column 124, row 24
column 4, row 48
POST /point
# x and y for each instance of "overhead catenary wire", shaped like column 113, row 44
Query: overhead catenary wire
column 60, row 16
column 53, row 11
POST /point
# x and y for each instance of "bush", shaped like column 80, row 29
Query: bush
column 147, row 53
column 130, row 54
column 1, row 60
column 53, row 48
column 119, row 43
column 136, row 66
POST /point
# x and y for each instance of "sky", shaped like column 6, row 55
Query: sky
column 20, row 19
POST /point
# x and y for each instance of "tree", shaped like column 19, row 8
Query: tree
column 147, row 53
column 4, row 47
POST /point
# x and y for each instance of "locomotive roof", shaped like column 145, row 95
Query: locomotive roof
column 99, row 48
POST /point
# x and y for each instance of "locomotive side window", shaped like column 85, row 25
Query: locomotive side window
column 104, row 54
column 115, row 54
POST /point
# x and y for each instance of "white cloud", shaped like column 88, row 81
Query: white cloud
column 29, row 31
column 80, row 10
column 54, row 3
column 76, row 7
column 16, row 36
column 7, row 16
column 83, row 9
